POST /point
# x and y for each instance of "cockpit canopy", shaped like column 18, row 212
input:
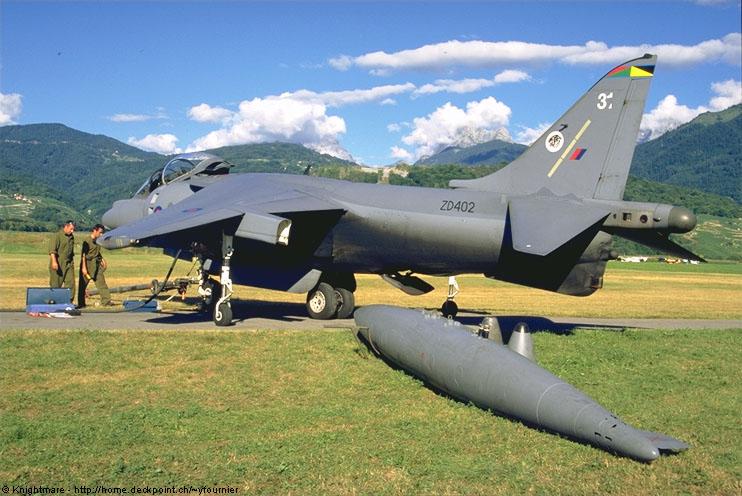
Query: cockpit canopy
column 184, row 166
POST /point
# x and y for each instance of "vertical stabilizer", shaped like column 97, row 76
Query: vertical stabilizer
column 587, row 152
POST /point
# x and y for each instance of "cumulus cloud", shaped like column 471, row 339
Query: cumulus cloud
column 487, row 54
column 669, row 114
column 280, row 118
column 728, row 93
column 727, row 49
column 341, row 63
column 453, row 86
column 527, row 135
column 470, row 85
column 449, row 125
column 511, row 76
column 401, row 154
column 11, row 106
column 207, row 113
column 294, row 117
column 165, row 144
column 160, row 114
column 350, row 97
column 130, row 118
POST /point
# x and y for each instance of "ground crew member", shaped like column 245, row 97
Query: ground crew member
column 92, row 268
column 62, row 258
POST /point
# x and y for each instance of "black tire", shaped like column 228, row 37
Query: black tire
column 322, row 302
column 449, row 308
column 346, row 303
column 223, row 315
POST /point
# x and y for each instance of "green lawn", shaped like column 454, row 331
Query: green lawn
column 290, row 412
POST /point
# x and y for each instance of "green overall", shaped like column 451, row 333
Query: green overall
column 94, row 261
column 63, row 246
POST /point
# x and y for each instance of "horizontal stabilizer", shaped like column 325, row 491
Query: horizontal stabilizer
column 540, row 224
column 660, row 241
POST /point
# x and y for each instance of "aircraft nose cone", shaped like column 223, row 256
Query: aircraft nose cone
column 123, row 212
column 681, row 220
column 109, row 219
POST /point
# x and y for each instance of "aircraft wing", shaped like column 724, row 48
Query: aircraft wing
column 246, row 206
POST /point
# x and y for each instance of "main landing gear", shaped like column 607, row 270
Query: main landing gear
column 328, row 301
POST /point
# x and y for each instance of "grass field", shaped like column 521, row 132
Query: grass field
column 281, row 412
column 296, row 412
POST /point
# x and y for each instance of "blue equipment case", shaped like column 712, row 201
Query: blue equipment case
column 48, row 300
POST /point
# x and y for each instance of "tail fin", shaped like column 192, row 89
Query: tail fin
column 587, row 152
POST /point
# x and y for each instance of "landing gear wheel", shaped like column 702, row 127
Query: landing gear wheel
column 223, row 315
column 346, row 302
column 449, row 309
column 322, row 302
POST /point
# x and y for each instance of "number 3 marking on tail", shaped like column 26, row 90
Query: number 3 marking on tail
column 603, row 101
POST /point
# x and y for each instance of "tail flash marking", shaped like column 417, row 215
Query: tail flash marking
column 637, row 72
column 569, row 148
column 633, row 71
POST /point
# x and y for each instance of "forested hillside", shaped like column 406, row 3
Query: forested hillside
column 51, row 172
column 704, row 154
column 492, row 152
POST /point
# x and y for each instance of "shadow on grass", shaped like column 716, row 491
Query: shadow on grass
column 507, row 324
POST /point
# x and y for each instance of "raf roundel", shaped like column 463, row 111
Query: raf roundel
column 554, row 141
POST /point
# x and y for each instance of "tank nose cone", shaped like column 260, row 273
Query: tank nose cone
column 681, row 220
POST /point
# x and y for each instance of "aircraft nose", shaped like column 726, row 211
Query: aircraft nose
column 109, row 219
column 681, row 220
column 124, row 211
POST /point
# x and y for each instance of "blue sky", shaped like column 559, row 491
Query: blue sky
column 378, row 81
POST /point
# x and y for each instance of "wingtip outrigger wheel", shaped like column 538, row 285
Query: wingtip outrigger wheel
column 223, row 309
column 449, row 309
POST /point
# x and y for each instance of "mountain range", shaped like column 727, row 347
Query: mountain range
column 51, row 172
column 704, row 154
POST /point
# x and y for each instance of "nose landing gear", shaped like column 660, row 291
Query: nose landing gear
column 223, row 309
column 449, row 309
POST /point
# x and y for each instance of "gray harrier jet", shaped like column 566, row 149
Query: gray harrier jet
column 546, row 220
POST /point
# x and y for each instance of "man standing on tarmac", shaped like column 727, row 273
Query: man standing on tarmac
column 92, row 268
column 62, row 258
